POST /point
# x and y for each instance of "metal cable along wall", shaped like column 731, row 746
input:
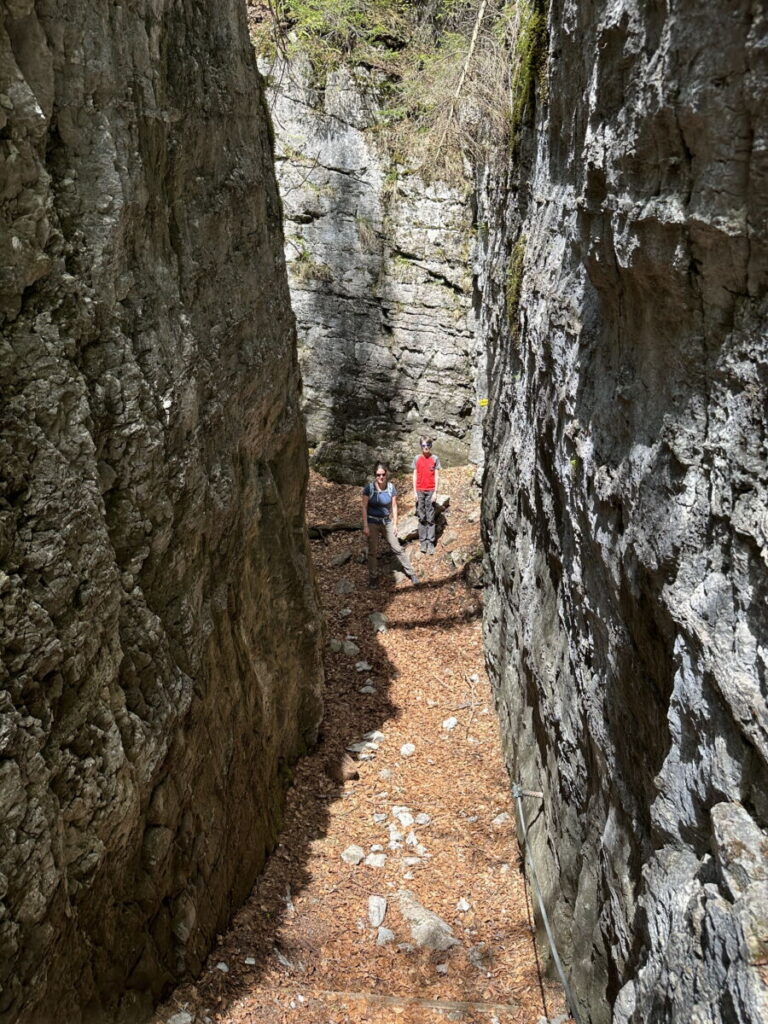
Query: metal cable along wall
column 518, row 793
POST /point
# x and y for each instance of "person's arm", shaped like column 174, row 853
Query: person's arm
column 365, row 514
column 414, row 479
column 437, row 480
column 394, row 512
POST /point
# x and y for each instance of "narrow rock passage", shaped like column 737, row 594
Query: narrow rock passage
column 333, row 928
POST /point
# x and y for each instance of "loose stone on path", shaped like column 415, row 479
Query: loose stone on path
column 353, row 855
column 377, row 910
column 378, row 621
column 427, row 928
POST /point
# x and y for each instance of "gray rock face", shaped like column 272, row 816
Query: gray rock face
column 625, row 501
column 152, row 550
column 378, row 271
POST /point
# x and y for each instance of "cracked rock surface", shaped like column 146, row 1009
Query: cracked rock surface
column 625, row 501
column 378, row 270
column 153, row 559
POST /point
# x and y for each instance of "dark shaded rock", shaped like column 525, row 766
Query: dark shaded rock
column 152, row 551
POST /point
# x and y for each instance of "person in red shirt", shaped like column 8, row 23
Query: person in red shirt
column 426, row 479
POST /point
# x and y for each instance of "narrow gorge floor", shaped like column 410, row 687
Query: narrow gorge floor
column 430, row 810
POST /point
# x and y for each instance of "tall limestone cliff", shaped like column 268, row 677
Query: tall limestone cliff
column 624, row 311
column 159, row 625
column 378, row 269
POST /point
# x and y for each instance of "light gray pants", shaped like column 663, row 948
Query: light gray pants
column 387, row 531
column 425, row 510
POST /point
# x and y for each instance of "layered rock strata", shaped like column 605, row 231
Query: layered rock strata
column 159, row 625
column 625, row 501
column 377, row 263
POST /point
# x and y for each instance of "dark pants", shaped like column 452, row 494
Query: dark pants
column 425, row 510
column 387, row 531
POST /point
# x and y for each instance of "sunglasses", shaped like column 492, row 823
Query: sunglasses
column 426, row 446
column 381, row 474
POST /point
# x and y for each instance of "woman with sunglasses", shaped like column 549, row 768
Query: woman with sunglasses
column 426, row 479
column 380, row 519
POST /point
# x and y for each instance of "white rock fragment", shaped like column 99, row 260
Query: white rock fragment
column 379, row 817
column 367, row 689
column 427, row 929
column 463, row 905
column 377, row 848
column 376, row 860
column 250, row 961
column 182, row 1017
column 501, row 819
column 362, row 746
column 376, row 736
column 351, row 650
column 403, row 815
column 442, row 968
column 408, row 750
column 353, row 854
column 423, row 819
column 377, row 910
column 345, row 612
column 363, row 666
column 411, row 862
column 378, row 621
column 385, row 774
column 384, row 937
column 450, row 723
column 411, row 840
column 221, row 966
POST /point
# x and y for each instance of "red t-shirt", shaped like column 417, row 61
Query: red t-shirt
column 426, row 466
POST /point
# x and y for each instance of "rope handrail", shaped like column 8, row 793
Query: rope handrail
column 518, row 793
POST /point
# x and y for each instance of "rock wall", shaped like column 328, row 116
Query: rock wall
column 159, row 625
column 377, row 264
column 625, row 500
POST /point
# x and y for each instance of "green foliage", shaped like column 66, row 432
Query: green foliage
column 305, row 267
column 455, row 77
column 514, row 282
column 334, row 32
column 529, row 52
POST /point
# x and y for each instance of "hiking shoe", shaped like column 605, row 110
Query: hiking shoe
column 430, row 549
column 424, row 548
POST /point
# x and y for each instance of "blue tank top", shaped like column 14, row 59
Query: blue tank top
column 379, row 502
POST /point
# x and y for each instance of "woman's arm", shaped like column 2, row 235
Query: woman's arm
column 365, row 514
column 394, row 511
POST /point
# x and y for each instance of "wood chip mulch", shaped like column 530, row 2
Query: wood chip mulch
column 301, row 950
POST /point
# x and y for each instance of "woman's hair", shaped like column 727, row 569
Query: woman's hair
column 381, row 465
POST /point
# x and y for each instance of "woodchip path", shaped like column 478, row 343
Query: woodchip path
column 437, row 822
